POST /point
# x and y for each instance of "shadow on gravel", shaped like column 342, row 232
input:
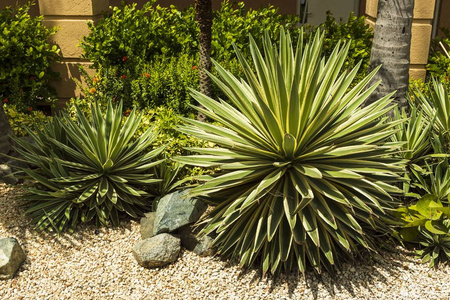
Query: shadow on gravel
column 365, row 269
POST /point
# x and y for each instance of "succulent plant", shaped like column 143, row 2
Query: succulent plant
column 88, row 169
column 306, row 173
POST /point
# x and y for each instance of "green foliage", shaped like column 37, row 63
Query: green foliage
column 25, row 58
column 414, row 136
column 19, row 120
column 305, row 171
column 435, row 107
column 89, row 169
column 357, row 32
column 439, row 59
column 129, row 36
column 165, row 82
column 428, row 223
column 165, row 121
column 426, row 146
column 233, row 23
column 129, row 50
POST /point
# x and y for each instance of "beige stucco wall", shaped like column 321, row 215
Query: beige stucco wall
column 34, row 10
column 420, row 33
column 71, row 18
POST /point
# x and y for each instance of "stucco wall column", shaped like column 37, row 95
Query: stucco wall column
column 420, row 33
column 71, row 17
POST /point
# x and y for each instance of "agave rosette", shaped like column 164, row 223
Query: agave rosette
column 307, row 174
column 88, row 170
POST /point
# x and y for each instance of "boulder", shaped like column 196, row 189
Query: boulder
column 199, row 245
column 157, row 251
column 147, row 225
column 176, row 210
column 11, row 257
column 6, row 175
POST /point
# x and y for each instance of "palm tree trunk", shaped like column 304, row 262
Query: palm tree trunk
column 391, row 49
column 204, row 16
column 5, row 132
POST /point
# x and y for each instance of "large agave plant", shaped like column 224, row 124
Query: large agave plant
column 88, row 169
column 306, row 173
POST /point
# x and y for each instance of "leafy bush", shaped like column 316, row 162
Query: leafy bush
column 439, row 59
column 129, row 36
column 25, row 58
column 305, row 172
column 166, row 82
column 19, row 120
column 233, row 23
column 145, row 74
column 89, row 169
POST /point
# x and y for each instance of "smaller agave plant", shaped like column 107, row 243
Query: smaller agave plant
column 88, row 169
column 307, row 175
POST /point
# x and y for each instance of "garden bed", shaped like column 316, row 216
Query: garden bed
column 98, row 264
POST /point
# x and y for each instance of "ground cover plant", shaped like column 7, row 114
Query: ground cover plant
column 19, row 119
column 25, row 59
column 89, row 169
column 306, row 174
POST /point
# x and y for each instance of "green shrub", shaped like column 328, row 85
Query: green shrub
column 145, row 74
column 19, row 120
column 25, row 58
column 305, row 172
column 129, row 36
column 439, row 59
column 233, row 23
column 89, row 169
column 165, row 82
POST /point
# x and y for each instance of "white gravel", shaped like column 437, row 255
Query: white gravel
column 86, row 265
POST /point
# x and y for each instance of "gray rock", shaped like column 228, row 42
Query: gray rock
column 147, row 225
column 157, row 251
column 6, row 175
column 11, row 257
column 176, row 210
column 199, row 245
